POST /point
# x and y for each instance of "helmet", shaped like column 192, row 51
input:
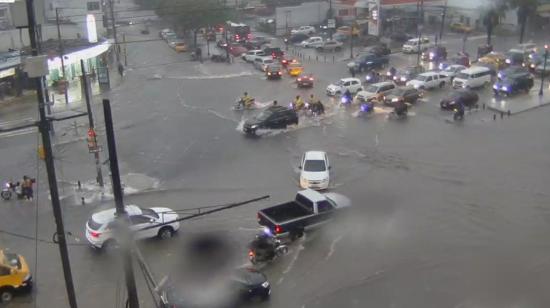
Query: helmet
column 245, row 93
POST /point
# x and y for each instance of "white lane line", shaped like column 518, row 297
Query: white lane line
column 376, row 141
column 332, row 247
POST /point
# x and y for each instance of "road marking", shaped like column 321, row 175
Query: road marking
column 332, row 246
column 376, row 141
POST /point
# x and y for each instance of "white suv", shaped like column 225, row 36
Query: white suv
column 412, row 45
column 351, row 84
column 314, row 170
column 429, row 80
column 375, row 91
column 313, row 41
column 99, row 228
column 250, row 55
column 303, row 30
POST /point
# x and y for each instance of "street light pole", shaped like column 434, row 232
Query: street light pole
column 541, row 91
column 443, row 21
column 61, row 52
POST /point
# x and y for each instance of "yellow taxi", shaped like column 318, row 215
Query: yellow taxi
column 294, row 69
column 461, row 28
column 14, row 275
column 347, row 30
column 180, row 47
column 496, row 59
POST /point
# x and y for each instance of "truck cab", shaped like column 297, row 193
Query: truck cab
column 14, row 275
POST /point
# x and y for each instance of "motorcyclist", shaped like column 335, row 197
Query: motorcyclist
column 298, row 103
column 391, row 72
column 264, row 246
column 318, row 107
column 246, row 100
column 400, row 108
column 347, row 98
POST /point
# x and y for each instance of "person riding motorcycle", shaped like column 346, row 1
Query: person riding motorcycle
column 246, row 101
column 298, row 103
column 347, row 98
column 400, row 108
column 391, row 73
column 318, row 108
column 264, row 246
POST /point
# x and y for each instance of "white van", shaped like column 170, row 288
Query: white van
column 473, row 77
column 411, row 46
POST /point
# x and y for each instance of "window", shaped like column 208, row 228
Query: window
column 149, row 212
column 343, row 12
column 324, row 206
column 347, row 84
column 4, row 271
column 305, row 202
column 429, row 78
column 93, row 224
column 138, row 219
column 354, row 82
column 93, row 6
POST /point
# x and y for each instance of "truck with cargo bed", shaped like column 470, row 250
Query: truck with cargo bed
column 308, row 210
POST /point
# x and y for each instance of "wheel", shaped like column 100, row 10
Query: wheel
column 166, row 233
column 6, row 195
column 6, row 295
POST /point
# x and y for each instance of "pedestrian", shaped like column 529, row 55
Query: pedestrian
column 26, row 188
column 121, row 69
column 352, row 71
column 274, row 103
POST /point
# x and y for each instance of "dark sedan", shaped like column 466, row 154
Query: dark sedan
column 403, row 94
column 435, row 54
column 274, row 117
column 401, row 77
column 468, row 98
column 244, row 285
column 274, row 71
column 305, row 81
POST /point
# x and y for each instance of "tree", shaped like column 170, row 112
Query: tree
column 490, row 21
column 525, row 9
column 193, row 15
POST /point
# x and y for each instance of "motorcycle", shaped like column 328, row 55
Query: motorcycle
column 9, row 189
column 266, row 248
column 241, row 105
column 366, row 108
column 346, row 100
column 399, row 111
column 458, row 114
column 390, row 75
column 313, row 110
column 372, row 77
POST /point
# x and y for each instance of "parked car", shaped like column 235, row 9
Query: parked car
column 461, row 27
column 375, row 92
column 312, row 42
column 256, row 42
column 401, row 94
column 305, row 81
column 308, row 210
column 367, row 62
column 274, row 117
column 164, row 32
column 244, row 285
column 416, row 45
column 452, row 70
column 513, row 84
column 402, row 76
column 351, row 84
column 429, row 80
column 99, row 228
column 15, row 276
column 330, row 45
column 251, row 55
column 274, row 71
column 435, row 54
column 314, row 170
column 179, row 46
column 222, row 44
column 473, row 77
column 261, row 63
column 467, row 98
column 309, row 30
column 170, row 36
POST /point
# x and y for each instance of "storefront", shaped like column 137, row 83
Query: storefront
column 10, row 74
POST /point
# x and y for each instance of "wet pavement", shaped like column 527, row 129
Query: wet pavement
column 446, row 214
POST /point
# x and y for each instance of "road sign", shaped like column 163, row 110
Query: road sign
column 331, row 23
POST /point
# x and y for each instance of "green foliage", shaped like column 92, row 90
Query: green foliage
column 194, row 14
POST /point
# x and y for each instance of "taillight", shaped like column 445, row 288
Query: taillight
column 250, row 253
column 280, row 73
column 95, row 234
column 278, row 229
column 299, row 79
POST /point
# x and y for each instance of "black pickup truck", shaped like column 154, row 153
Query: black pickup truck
column 308, row 210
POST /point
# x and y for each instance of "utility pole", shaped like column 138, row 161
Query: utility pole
column 117, row 46
column 44, row 127
column 99, row 177
column 125, row 51
column 443, row 21
column 61, row 52
column 122, row 216
column 331, row 15
column 541, row 91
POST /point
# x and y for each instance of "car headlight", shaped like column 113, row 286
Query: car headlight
column 508, row 61
column 265, row 284
column 303, row 182
column 403, row 79
column 504, row 88
column 532, row 65
column 432, row 55
column 394, row 100
column 254, row 126
column 495, row 87
column 499, row 75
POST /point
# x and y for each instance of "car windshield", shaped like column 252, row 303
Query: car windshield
column 149, row 212
column 264, row 115
column 315, row 166
column 93, row 224
column 371, row 89
column 421, row 77
column 462, row 76
column 398, row 92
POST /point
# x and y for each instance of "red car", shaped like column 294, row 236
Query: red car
column 285, row 61
column 237, row 50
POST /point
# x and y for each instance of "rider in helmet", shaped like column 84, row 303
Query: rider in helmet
column 246, row 100
column 298, row 103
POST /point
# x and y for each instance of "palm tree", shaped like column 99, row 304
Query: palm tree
column 525, row 9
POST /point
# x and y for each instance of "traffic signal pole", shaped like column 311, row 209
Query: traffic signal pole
column 44, row 128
